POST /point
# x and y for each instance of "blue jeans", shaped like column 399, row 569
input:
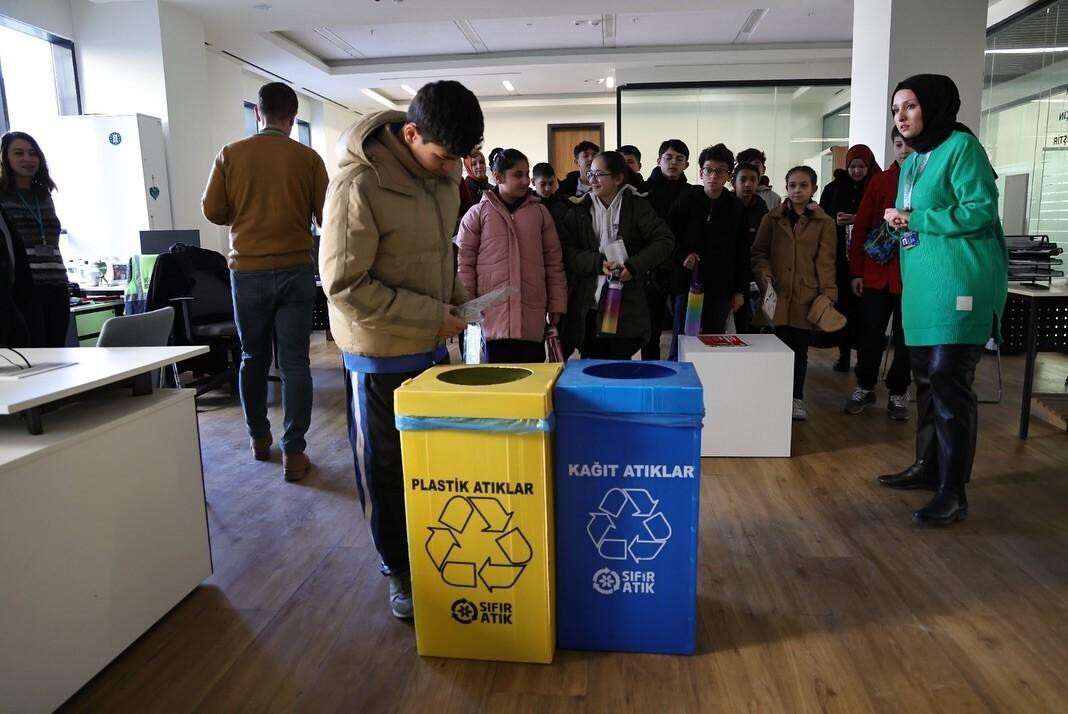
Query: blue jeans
column 273, row 311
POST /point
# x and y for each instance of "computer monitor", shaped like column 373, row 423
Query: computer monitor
column 156, row 242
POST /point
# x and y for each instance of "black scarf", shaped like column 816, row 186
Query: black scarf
column 940, row 102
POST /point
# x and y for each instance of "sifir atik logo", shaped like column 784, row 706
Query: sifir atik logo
column 466, row 612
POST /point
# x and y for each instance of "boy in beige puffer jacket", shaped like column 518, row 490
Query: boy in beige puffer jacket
column 386, row 264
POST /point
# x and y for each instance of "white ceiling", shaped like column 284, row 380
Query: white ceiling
column 336, row 48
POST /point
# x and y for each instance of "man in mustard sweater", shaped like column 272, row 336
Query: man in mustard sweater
column 268, row 188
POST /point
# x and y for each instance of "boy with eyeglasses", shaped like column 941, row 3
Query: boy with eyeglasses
column 712, row 239
column 665, row 185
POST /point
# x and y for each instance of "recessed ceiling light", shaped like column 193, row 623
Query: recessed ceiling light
column 508, row 85
column 610, row 82
column 379, row 98
column 408, row 89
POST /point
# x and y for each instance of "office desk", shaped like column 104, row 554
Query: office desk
column 1052, row 303
column 94, row 367
column 103, row 530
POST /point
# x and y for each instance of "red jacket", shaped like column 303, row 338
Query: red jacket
column 880, row 194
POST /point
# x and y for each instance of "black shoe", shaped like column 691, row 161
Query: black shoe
column 914, row 477
column 944, row 509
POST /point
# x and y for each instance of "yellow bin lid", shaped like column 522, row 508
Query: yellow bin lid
column 496, row 391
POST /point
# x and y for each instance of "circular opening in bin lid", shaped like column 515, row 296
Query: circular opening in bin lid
column 484, row 376
column 629, row 370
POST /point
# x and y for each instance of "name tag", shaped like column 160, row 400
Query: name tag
column 964, row 303
column 910, row 239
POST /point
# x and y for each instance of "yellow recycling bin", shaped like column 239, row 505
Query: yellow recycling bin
column 477, row 449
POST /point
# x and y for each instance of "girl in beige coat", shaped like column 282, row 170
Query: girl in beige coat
column 794, row 255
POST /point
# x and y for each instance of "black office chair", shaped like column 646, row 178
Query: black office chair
column 196, row 282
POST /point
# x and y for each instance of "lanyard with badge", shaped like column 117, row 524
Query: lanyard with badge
column 910, row 239
column 34, row 212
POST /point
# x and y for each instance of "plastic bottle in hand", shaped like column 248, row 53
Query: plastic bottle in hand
column 613, row 300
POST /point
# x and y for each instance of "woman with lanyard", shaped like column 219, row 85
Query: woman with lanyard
column 954, row 268
column 26, row 197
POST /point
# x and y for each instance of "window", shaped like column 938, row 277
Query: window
column 303, row 132
column 38, row 76
column 251, row 122
column 787, row 120
column 301, row 129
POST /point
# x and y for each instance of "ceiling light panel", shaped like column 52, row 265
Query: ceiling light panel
column 539, row 33
column 705, row 27
column 805, row 25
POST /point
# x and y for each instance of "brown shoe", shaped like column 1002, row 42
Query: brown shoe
column 261, row 448
column 295, row 466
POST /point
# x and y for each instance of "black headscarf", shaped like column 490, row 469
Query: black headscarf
column 940, row 102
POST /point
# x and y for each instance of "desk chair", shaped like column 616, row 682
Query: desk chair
column 147, row 329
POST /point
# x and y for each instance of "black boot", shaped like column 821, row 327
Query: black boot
column 946, row 508
column 917, row 476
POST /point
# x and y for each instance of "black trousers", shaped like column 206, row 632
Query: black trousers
column 514, row 351
column 878, row 306
column 376, row 452
column 594, row 347
column 656, row 300
column 948, row 411
column 797, row 340
column 48, row 316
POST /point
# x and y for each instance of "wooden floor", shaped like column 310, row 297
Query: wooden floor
column 816, row 592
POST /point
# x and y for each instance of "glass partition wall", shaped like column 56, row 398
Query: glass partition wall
column 1024, row 122
column 789, row 122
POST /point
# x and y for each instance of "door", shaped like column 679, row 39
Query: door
column 562, row 141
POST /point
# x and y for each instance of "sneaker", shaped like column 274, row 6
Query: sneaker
column 800, row 413
column 897, row 408
column 860, row 399
column 261, row 447
column 400, row 596
column 295, row 466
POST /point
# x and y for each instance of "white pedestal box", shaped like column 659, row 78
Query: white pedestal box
column 748, row 395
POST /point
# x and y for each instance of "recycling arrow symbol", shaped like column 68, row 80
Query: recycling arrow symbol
column 473, row 543
column 628, row 524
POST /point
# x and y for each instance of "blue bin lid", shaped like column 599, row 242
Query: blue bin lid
column 629, row 387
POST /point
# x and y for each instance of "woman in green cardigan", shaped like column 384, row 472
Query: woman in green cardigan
column 954, row 267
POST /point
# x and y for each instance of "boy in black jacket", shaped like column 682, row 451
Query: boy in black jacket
column 665, row 185
column 576, row 183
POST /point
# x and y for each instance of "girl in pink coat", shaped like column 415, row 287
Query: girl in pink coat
column 509, row 239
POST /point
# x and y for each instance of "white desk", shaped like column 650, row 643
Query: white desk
column 748, row 395
column 103, row 530
column 95, row 367
column 1054, row 297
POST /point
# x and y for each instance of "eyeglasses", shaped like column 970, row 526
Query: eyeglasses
column 591, row 175
column 714, row 172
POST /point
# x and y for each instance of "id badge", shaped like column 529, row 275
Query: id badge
column 910, row 239
column 46, row 251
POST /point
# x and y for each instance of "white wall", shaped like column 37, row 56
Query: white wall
column 890, row 45
column 190, row 148
column 51, row 15
column 120, row 58
column 527, row 128
column 739, row 125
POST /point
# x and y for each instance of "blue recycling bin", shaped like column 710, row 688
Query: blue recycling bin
column 628, row 481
